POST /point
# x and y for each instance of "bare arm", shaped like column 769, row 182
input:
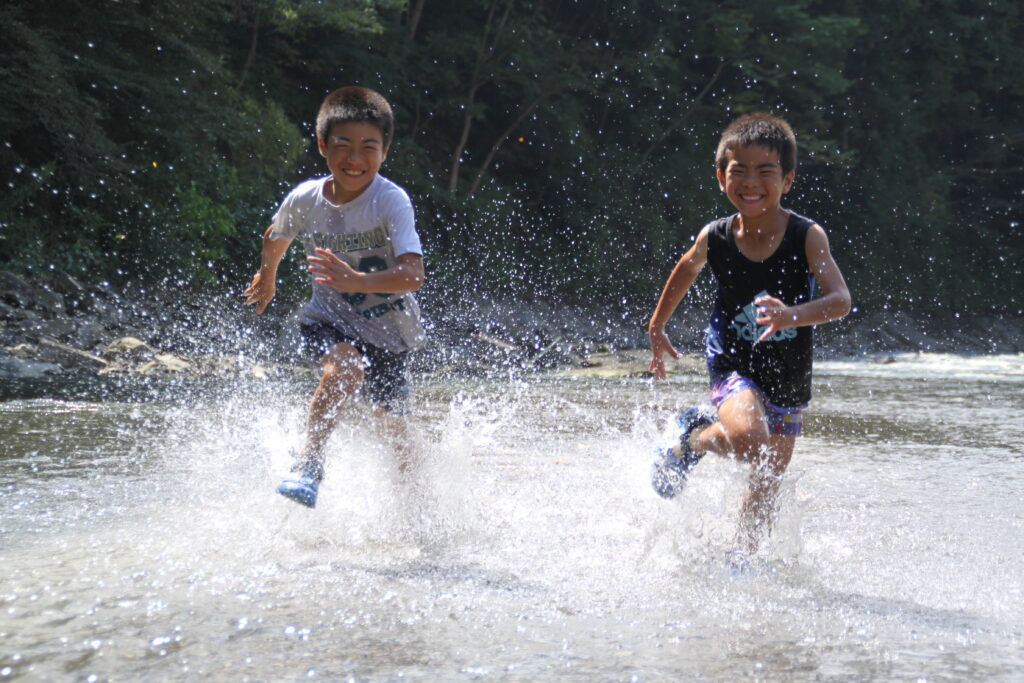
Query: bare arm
column 678, row 283
column 264, row 284
column 833, row 304
column 406, row 275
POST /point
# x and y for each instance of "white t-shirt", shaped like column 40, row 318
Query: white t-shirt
column 368, row 233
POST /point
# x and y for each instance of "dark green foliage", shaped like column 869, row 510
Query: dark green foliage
column 561, row 149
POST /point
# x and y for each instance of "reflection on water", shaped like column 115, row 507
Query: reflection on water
column 141, row 538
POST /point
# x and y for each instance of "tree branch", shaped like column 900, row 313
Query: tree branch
column 686, row 114
column 251, row 57
column 483, row 54
column 415, row 14
column 523, row 113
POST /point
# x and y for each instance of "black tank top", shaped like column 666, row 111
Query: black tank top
column 781, row 364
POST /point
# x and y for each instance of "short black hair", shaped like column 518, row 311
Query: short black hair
column 355, row 103
column 760, row 129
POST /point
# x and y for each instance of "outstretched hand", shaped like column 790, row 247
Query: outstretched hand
column 260, row 291
column 774, row 314
column 330, row 270
column 660, row 345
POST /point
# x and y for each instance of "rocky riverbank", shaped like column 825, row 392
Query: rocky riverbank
column 58, row 324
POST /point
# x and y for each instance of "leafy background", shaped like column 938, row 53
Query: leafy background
column 555, row 150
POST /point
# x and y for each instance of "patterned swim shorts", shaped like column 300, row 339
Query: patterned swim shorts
column 781, row 420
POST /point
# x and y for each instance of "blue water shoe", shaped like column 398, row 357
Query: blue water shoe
column 302, row 486
column 668, row 476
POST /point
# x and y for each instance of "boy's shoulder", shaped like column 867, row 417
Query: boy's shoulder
column 310, row 184
column 719, row 225
column 308, row 190
column 388, row 189
column 800, row 220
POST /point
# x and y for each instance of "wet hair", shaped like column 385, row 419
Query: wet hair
column 763, row 130
column 356, row 104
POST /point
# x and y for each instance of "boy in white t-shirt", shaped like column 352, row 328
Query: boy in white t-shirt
column 359, row 233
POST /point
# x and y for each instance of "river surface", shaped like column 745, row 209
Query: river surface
column 141, row 538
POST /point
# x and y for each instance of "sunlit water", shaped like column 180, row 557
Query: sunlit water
column 140, row 537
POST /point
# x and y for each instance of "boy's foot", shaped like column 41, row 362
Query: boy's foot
column 738, row 564
column 302, row 486
column 672, row 465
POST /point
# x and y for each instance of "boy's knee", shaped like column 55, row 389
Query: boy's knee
column 342, row 379
column 342, row 368
column 749, row 438
column 342, row 358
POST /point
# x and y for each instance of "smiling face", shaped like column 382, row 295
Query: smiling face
column 354, row 151
column 753, row 181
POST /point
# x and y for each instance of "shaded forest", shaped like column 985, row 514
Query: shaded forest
column 553, row 149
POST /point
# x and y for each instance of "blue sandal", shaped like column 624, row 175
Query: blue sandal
column 668, row 476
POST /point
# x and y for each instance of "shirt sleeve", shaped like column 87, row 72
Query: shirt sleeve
column 404, row 238
column 289, row 220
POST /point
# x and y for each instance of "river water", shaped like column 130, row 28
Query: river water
column 140, row 536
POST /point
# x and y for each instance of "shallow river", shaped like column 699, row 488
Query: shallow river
column 140, row 536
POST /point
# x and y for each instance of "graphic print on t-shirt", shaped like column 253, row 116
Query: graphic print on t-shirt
column 355, row 241
column 746, row 327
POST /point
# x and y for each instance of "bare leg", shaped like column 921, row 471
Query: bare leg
column 759, row 507
column 341, row 377
column 394, row 430
column 743, row 432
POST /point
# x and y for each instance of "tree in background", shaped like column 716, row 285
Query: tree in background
column 130, row 147
column 554, row 148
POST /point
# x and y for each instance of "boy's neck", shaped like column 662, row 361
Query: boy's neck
column 766, row 226
column 335, row 194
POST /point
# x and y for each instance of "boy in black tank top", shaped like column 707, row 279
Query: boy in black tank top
column 766, row 261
